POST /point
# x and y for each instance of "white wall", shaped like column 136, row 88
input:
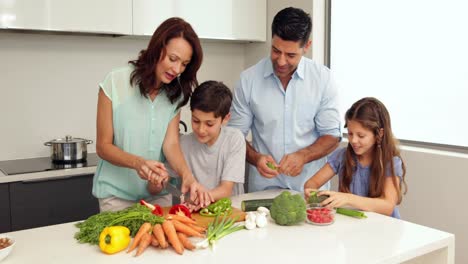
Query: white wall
column 49, row 84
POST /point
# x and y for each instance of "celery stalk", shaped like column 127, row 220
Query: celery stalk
column 350, row 212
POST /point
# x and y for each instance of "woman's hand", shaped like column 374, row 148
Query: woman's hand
column 151, row 170
column 336, row 199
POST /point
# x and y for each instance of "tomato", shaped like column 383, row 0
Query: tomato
column 320, row 215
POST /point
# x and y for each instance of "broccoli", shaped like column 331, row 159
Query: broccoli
column 288, row 209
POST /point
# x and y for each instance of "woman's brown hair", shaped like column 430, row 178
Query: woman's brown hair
column 143, row 75
column 373, row 115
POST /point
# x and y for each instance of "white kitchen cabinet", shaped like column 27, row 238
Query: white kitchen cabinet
column 243, row 20
column 103, row 16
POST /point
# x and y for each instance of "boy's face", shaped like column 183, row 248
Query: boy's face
column 206, row 126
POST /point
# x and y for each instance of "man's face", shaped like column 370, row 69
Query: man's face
column 286, row 55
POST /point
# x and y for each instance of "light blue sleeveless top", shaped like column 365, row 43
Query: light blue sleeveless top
column 139, row 128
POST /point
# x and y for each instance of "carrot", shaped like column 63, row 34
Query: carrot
column 185, row 241
column 183, row 228
column 144, row 243
column 171, row 233
column 199, row 229
column 181, row 218
column 144, row 228
column 154, row 241
column 159, row 234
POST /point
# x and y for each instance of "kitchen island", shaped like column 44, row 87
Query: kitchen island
column 377, row 239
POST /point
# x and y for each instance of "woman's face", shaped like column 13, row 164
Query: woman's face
column 177, row 57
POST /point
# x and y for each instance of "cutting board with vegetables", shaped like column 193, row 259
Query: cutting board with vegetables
column 206, row 220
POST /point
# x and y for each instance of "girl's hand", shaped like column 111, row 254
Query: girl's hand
column 307, row 192
column 336, row 199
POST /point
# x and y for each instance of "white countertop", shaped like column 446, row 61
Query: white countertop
column 377, row 239
column 43, row 175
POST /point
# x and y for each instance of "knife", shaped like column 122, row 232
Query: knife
column 178, row 193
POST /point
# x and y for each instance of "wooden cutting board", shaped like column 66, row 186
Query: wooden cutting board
column 206, row 220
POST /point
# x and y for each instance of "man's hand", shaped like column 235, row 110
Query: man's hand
column 263, row 168
column 292, row 164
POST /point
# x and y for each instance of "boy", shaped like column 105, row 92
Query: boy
column 215, row 153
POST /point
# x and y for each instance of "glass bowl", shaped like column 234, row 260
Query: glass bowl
column 319, row 215
column 5, row 251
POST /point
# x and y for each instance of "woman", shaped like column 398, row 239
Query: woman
column 138, row 119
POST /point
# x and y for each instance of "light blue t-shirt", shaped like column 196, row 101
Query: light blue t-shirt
column 360, row 182
column 283, row 122
column 139, row 128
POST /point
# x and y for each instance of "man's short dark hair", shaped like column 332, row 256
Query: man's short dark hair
column 212, row 96
column 292, row 24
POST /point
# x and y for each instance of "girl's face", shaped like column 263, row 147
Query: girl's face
column 362, row 140
column 206, row 126
column 178, row 55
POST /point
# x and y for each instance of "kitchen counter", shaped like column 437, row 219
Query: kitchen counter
column 377, row 239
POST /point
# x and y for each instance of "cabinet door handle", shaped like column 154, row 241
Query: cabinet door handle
column 46, row 179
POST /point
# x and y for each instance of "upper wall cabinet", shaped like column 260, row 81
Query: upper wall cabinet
column 103, row 16
column 243, row 20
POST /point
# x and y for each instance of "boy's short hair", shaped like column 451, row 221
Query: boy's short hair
column 212, row 96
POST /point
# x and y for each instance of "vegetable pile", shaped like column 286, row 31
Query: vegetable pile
column 132, row 218
column 174, row 231
column 288, row 209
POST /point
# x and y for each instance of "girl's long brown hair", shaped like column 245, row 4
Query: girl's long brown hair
column 373, row 115
column 144, row 74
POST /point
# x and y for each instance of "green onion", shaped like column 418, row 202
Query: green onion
column 221, row 227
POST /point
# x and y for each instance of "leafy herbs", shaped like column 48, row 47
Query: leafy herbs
column 132, row 217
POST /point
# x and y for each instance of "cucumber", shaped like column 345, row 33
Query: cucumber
column 351, row 212
column 252, row 205
column 315, row 199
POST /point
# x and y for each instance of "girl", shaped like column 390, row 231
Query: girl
column 138, row 119
column 371, row 171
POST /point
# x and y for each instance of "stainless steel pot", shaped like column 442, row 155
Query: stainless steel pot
column 68, row 149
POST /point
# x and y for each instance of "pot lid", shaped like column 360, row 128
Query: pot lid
column 68, row 139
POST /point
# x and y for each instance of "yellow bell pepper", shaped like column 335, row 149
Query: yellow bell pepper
column 114, row 239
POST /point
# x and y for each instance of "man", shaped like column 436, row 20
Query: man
column 290, row 104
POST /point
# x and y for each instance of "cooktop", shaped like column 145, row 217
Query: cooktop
column 20, row 166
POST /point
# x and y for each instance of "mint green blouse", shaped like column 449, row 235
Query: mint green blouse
column 139, row 128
